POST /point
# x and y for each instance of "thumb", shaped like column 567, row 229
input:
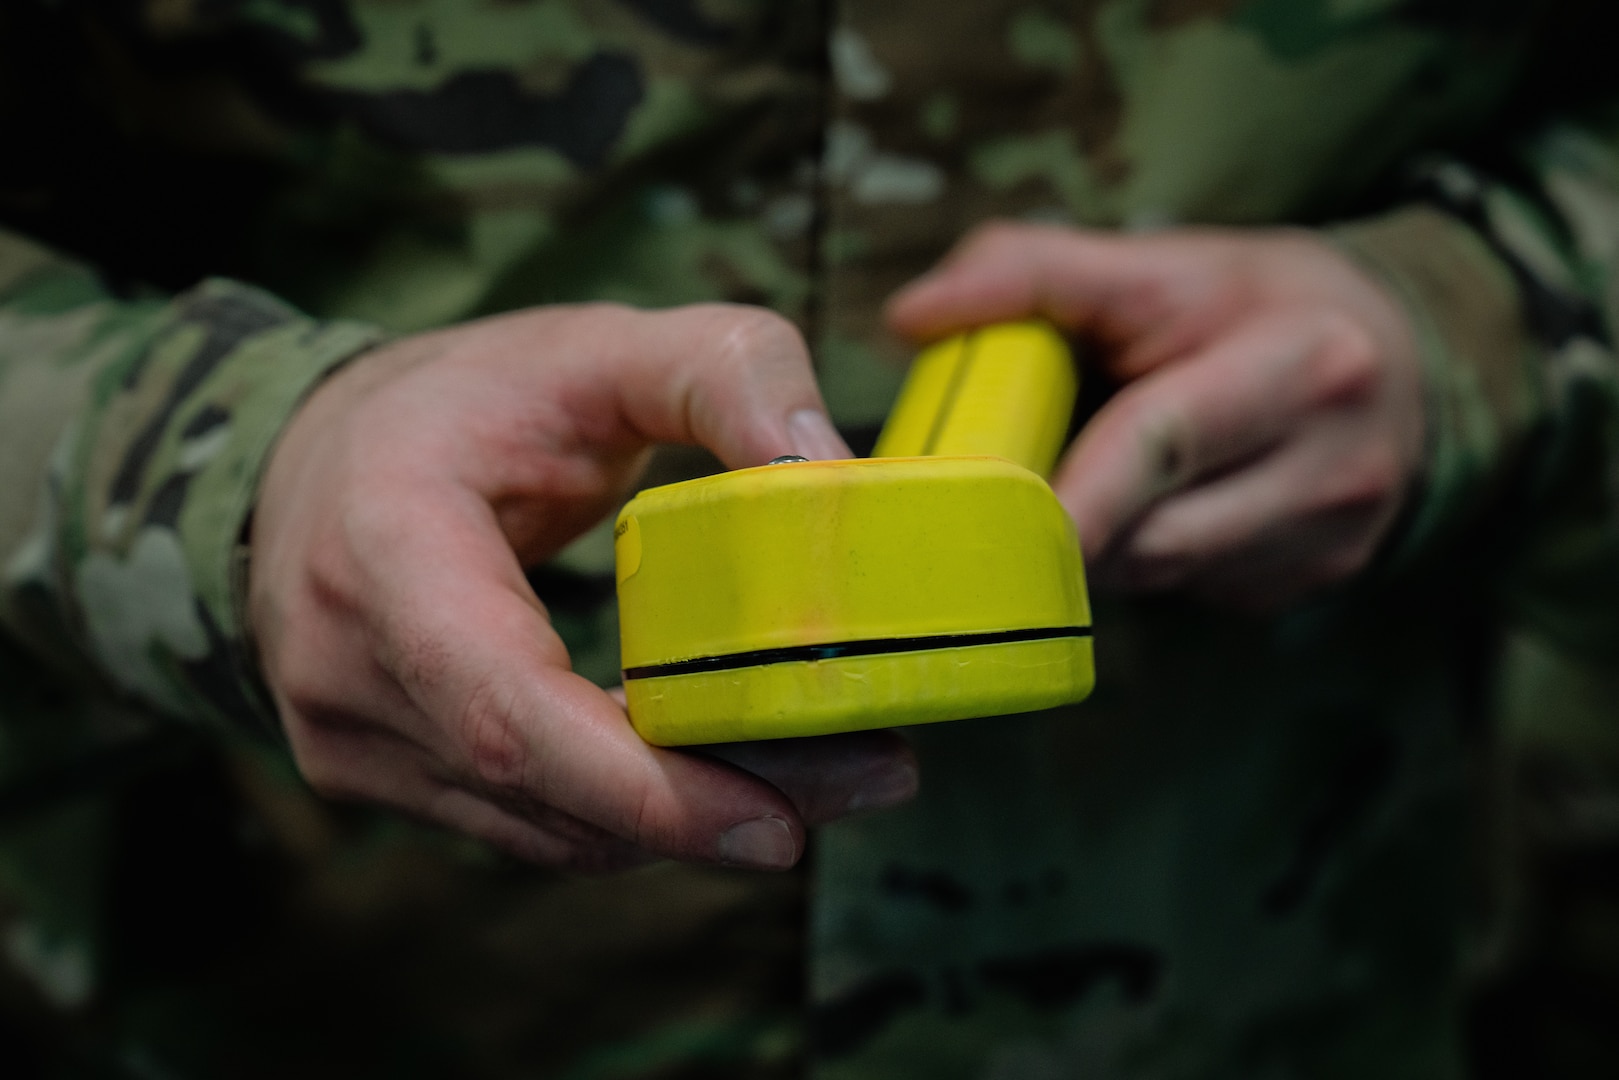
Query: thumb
column 737, row 380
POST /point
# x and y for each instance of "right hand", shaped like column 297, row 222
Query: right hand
column 1269, row 428
column 410, row 661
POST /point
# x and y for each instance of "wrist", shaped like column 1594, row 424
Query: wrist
column 251, row 392
column 1477, row 359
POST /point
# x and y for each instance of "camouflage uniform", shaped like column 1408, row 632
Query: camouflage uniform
column 1264, row 849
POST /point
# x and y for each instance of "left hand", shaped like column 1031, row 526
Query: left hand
column 1270, row 424
column 410, row 661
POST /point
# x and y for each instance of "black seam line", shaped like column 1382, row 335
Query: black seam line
column 952, row 395
column 871, row 647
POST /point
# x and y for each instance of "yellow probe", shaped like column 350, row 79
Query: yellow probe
column 938, row 580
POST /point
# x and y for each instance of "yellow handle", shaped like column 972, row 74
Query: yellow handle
column 1005, row 390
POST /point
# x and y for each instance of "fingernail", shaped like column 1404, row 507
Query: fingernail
column 888, row 787
column 814, row 437
column 764, row 844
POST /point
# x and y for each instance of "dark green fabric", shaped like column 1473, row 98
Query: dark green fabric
column 1265, row 849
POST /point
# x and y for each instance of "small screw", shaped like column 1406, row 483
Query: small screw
column 787, row 459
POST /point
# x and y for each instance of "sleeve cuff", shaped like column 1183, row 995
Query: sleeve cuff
column 171, row 461
column 1478, row 356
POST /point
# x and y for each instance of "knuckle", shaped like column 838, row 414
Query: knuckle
column 1164, row 438
column 327, row 773
column 1349, row 366
column 335, row 575
column 300, row 679
column 496, row 751
column 753, row 333
column 298, row 668
column 332, row 575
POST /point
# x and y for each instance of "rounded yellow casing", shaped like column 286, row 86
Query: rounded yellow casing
column 814, row 597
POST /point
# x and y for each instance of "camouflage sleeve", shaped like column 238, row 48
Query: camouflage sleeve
column 132, row 434
column 1513, row 289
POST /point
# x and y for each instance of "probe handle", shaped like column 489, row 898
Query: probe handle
column 1005, row 390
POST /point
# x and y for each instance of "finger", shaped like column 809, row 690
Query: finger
column 1289, row 565
column 735, row 379
column 318, row 676
column 1204, row 414
column 1280, row 568
column 1311, row 481
column 834, row 775
column 830, row 776
column 546, row 844
column 1115, row 288
column 474, row 652
column 369, row 763
column 1302, row 517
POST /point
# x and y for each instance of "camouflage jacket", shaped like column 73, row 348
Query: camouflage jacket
column 1265, row 848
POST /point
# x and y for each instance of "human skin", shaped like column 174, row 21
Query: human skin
column 1268, row 429
column 1269, row 422
column 411, row 663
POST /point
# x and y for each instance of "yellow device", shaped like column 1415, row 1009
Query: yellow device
column 939, row 580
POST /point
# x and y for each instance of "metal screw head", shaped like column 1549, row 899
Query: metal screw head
column 787, row 459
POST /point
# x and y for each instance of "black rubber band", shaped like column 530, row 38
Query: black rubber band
column 871, row 647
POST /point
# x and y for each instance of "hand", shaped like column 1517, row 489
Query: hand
column 410, row 661
column 1270, row 422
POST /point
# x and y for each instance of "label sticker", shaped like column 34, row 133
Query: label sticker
column 627, row 547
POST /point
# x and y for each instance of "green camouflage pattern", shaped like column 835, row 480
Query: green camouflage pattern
column 1279, row 848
